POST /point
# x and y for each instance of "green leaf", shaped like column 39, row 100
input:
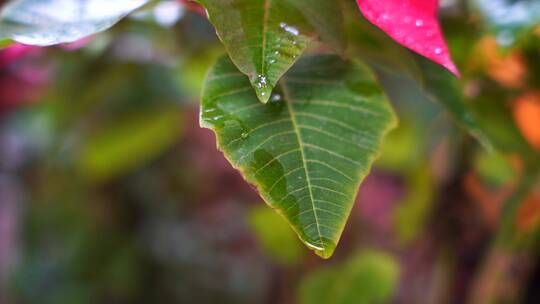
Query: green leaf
column 327, row 20
column 49, row 22
column 441, row 87
column 264, row 38
column 401, row 150
column 275, row 236
column 494, row 168
column 128, row 143
column 369, row 277
column 310, row 147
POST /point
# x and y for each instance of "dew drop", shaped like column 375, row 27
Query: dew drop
column 438, row 51
column 315, row 247
column 289, row 29
column 261, row 82
column 399, row 33
column 384, row 17
column 275, row 98
column 419, row 22
column 244, row 135
column 262, row 87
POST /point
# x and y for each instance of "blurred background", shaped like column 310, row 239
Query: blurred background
column 110, row 192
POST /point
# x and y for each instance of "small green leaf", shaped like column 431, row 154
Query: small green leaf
column 5, row 43
column 310, row 147
column 494, row 168
column 129, row 143
column 275, row 236
column 401, row 150
column 49, row 22
column 264, row 38
column 369, row 277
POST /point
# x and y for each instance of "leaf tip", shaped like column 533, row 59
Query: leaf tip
column 325, row 253
column 414, row 25
column 262, row 88
column 324, row 248
column 450, row 66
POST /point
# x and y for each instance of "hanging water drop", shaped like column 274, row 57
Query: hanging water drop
column 275, row 98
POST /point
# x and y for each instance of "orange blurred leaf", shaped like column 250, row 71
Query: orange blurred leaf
column 528, row 213
column 508, row 69
column 526, row 111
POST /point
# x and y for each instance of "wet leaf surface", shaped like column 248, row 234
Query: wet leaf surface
column 264, row 38
column 309, row 148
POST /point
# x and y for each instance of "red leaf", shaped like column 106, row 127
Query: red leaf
column 413, row 24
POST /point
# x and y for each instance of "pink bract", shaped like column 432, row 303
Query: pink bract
column 21, row 80
column 413, row 24
column 14, row 52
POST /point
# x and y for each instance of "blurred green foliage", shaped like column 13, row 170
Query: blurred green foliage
column 122, row 146
column 367, row 277
column 275, row 236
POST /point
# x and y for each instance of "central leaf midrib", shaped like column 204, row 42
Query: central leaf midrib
column 267, row 4
column 288, row 101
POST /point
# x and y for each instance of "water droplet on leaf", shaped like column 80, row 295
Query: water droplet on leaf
column 289, row 29
column 261, row 82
